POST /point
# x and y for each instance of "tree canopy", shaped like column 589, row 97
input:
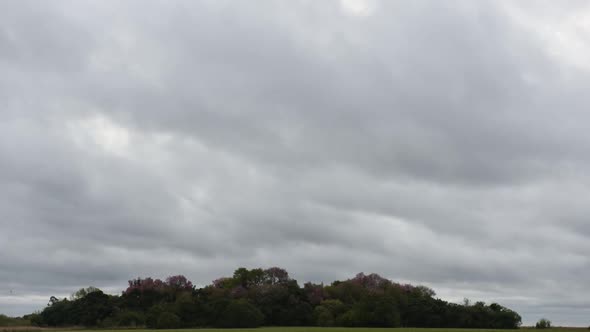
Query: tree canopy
column 269, row 297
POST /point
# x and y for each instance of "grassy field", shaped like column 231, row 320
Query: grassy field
column 290, row 329
column 294, row 329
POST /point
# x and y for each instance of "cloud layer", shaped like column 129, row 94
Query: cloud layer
column 436, row 143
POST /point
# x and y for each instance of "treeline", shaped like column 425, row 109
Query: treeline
column 269, row 297
column 13, row 321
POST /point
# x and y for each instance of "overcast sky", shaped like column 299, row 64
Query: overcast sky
column 442, row 143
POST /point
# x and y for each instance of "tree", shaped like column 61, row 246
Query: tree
column 269, row 297
column 14, row 321
column 275, row 275
column 248, row 278
column 424, row 291
column 323, row 316
column 168, row 320
column 315, row 293
column 188, row 308
column 543, row 323
column 240, row 313
column 179, row 282
column 82, row 292
column 92, row 309
column 326, row 313
column 129, row 318
column 153, row 315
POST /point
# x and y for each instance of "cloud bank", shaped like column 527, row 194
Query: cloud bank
column 436, row 143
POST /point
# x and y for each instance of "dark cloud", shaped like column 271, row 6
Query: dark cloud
column 434, row 143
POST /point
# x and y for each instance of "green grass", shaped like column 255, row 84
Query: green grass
column 332, row 329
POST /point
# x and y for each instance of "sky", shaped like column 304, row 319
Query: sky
column 442, row 143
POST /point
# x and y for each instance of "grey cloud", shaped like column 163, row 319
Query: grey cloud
column 435, row 143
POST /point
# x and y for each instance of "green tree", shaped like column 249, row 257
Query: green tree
column 240, row 313
column 128, row 318
column 168, row 320
column 543, row 323
column 82, row 292
column 323, row 316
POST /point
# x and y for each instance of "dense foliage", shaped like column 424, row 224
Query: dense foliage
column 269, row 297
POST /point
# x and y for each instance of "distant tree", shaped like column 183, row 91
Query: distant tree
column 189, row 309
column 315, row 293
column 144, row 285
column 57, row 313
column 128, row 318
column 223, row 282
column 326, row 313
column 179, row 282
column 377, row 310
column 34, row 318
column 53, row 300
column 424, row 291
column 240, row 313
column 371, row 282
column 14, row 321
column 323, row 316
column 82, row 292
column 269, row 297
column 168, row 320
column 543, row 323
column 92, row 309
column 275, row 275
column 248, row 278
column 153, row 315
